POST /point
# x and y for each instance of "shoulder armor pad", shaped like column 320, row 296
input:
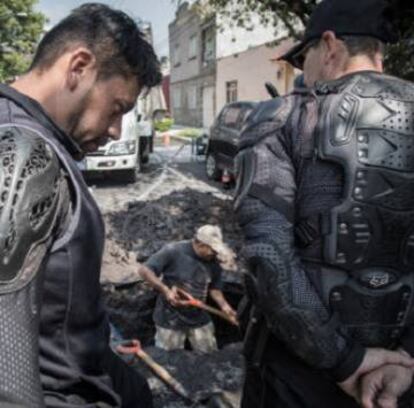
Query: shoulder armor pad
column 265, row 119
column 384, row 87
column 29, row 179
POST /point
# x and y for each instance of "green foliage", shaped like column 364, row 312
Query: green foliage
column 400, row 57
column 20, row 30
column 282, row 14
column 294, row 14
column 163, row 125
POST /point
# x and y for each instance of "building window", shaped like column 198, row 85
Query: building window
column 192, row 47
column 192, row 97
column 231, row 91
column 208, row 45
column 176, row 98
column 176, row 56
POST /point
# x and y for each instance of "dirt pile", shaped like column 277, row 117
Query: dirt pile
column 146, row 226
column 118, row 264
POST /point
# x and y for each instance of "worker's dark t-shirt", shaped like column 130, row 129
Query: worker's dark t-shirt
column 179, row 265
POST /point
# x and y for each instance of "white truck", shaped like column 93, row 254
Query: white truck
column 126, row 156
column 120, row 157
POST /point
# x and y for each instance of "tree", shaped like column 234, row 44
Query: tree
column 20, row 30
column 294, row 14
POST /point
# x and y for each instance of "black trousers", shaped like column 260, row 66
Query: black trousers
column 128, row 383
column 264, row 389
column 281, row 380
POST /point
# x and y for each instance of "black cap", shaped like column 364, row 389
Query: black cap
column 371, row 18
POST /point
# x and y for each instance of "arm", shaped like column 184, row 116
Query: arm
column 291, row 305
column 31, row 187
column 154, row 281
column 218, row 297
column 265, row 203
column 383, row 387
column 154, row 267
column 216, row 292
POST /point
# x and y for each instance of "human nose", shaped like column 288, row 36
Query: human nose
column 115, row 129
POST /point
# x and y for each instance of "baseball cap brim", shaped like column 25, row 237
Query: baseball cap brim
column 295, row 56
column 216, row 245
column 368, row 18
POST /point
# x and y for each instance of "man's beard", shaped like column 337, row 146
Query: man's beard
column 75, row 120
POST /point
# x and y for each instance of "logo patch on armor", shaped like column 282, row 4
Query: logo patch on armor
column 379, row 281
column 376, row 279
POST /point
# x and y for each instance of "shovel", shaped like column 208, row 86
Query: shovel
column 189, row 300
column 211, row 400
column 134, row 347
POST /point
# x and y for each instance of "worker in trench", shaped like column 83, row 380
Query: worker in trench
column 194, row 266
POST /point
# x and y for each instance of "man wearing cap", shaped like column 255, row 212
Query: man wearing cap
column 325, row 197
column 194, row 266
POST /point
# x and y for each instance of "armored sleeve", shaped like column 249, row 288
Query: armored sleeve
column 265, row 207
column 30, row 190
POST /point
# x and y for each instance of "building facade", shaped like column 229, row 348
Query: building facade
column 214, row 61
column 242, row 76
column 193, row 67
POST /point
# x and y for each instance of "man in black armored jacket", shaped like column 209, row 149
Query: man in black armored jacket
column 325, row 197
column 54, row 334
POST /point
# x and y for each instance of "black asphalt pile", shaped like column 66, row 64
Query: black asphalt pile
column 130, row 311
column 146, row 226
column 201, row 375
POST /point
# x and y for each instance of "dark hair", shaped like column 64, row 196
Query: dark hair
column 118, row 44
column 357, row 45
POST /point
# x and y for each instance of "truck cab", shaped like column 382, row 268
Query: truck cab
column 121, row 156
column 126, row 156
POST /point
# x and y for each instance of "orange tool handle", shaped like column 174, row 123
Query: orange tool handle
column 134, row 347
column 192, row 301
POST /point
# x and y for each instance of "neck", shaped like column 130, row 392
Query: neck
column 44, row 91
column 360, row 63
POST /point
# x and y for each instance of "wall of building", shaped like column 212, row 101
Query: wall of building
column 251, row 69
column 188, row 110
column 185, row 26
column 189, row 72
column 199, row 73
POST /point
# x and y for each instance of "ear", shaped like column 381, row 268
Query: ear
column 330, row 44
column 81, row 66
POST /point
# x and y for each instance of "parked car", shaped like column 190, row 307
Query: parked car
column 224, row 138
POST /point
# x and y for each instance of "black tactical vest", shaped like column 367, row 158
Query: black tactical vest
column 74, row 330
column 366, row 126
